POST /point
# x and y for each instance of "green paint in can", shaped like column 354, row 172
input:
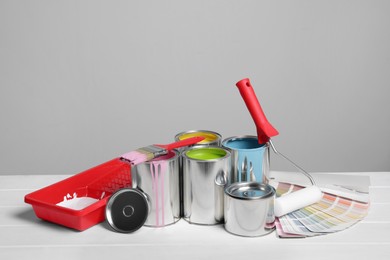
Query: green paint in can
column 205, row 154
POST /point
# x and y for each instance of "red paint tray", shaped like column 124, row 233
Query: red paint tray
column 98, row 182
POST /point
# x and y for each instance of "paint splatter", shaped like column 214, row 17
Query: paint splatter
column 73, row 202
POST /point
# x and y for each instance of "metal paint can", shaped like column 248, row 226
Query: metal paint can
column 250, row 160
column 205, row 171
column 249, row 209
column 159, row 178
column 211, row 138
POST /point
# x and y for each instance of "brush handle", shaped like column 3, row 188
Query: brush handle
column 264, row 129
column 185, row 142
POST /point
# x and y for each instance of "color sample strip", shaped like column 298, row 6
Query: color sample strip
column 292, row 225
column 282, row 234
column 317, row 221
column 283, row 189
column 331, row 214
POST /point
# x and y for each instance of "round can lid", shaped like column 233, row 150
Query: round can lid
column 127, row 210
column 250, row 190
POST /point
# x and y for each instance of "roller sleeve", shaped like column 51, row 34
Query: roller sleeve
column 297, row 200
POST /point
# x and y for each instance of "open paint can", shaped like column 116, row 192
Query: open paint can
column 210, row 138
column 159, row 179
column 250, row 160
column 249, row 209
column 205, row 171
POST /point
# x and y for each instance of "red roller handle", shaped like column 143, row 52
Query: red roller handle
column 264, row 129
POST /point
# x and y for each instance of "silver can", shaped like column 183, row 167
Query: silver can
column 250, row 160
column 205, row 171
column 249, row 209
column 159, row 179
column 211, row 138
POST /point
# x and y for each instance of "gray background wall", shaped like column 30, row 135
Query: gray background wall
column 82, row 82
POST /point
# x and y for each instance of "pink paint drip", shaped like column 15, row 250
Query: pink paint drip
column 157, row 170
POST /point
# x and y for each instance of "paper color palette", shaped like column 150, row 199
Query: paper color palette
column 331, row 214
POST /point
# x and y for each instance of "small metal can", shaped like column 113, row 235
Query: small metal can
column 205, row 170
column 159, row 178
column 250, row 160
column 249, row 209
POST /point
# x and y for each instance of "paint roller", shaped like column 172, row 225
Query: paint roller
column 295, row 200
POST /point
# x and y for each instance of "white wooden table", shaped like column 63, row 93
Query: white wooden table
column 24, row 236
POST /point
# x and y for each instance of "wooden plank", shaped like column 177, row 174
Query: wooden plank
column 25, row 216
column 380, row 194
column 15, row 196
column 376, row 178
column 23, row 235
column 378, row 212
column 253, row 249
column 182, row 233
column 12, row 198
column 18, row 216
column 28, row 182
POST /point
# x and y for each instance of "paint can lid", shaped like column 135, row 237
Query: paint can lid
column 127, row 210
column 250, row 190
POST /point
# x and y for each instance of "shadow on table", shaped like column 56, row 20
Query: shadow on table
column 28, row 215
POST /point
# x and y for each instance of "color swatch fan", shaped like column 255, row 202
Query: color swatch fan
column 331, row 214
